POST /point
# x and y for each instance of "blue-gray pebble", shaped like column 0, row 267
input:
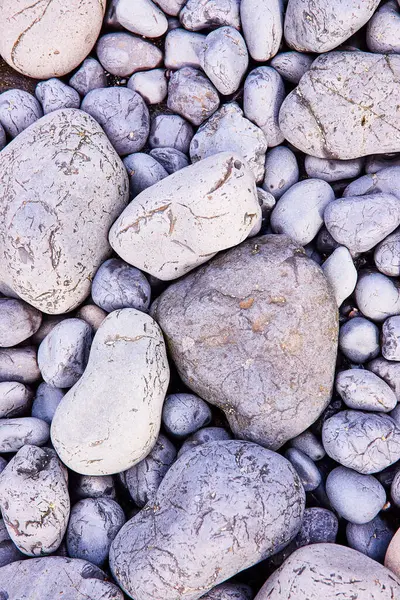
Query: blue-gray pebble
column 119, row 285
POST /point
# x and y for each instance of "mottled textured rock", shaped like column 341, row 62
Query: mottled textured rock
column 151, row 85
column 377, row 296
column 46, row 401
column 263, row 95
column 18, row 321
column 183, row 414
column 224, row 59
column 281, row 171
column 341, row 273
column 19, row 364
column 292, row 65
column 18, row 110
column 194, row 506
column 192, row 95
column 56, row 576
column 262, row 22
column 15, row 399
column 170, row 131
column 65, row 156
column 391, row 339
column 260, row 383
column 43, row 39
column 372, row 539
column 203, row 14
column 183, row 49
column 383, row 32
column 359, row 340
column 387, row 255
column 16, row 432
column 189, row 216
column 88, row 77
column 319, row 525
column 118, row 285
column 142, row 17
column 144, row 171
column 53, row 94
column 89, row 486
column 8, row 550
column 94, row 436
column 123, row 54
column 34, row 500
column 343, row 107
column 339, row 570
column 228, row 131
column 365, row 442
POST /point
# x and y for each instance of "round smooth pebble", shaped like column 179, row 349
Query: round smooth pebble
column 319, row 526
column 383, row 30
column 64, row 353
column 309, row 474
column 119, row 285
column 183, row 414
column 171, row 159
column 144, row 171
column 151, row 85
column 53, row 94
column 363, row 390
column 365, row 442
column 202, row 436
column 292, row 65
column 123, row 115
column 281, row 171
column 93, row 525
column 224, row 59
column 197, row 15
column 391, row 338
column 341, row 273
column 392, row 556
column 92, row 314
column 142, row 17
column 387, row 255
column 377, row 296
column 333, row 170
column 357, row 498
column 359, row 339
column 18, row 110
column 170, row 131
column 123, row 54
column 183, row 49
column 192, row 95
column 263, row 95
column 19, row 364
column 15, row 399
column 18, row 321
column 372, row 539
column 17, row 432
column 309, row 444
column 46, row 402
column 262, row 23
column 88, row 77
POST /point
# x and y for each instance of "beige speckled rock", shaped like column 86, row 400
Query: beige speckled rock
column 48, row 38
column 392, row 557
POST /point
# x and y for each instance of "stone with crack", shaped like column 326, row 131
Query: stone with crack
column 363, row 390
column 391, row 338
column 53, row 94
column 385, row 181
column 232, row 499
column 185, row 219
column 241, row 330
column 34, row 500
column 15, row 399
column 345, row 106
column 127, row 364
column 387, row 255
column 224, row 59
column 262, row 22
column 18, row 431
column 118, row 285
column 192, row 95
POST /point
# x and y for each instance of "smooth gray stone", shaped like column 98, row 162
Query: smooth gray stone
column 9, row 552
column 309, row 474
column 340, row 111
column 202, row 436
column 365, row 442
column 383, row 31
column 377, row 296
column 89, row 486
column 144, row 479
column 207, row 14
column 372, row 539
column 387, row 255
column 281, row 171
column 34, row 500
column 333, row 170
column 184, row 414
column 123, row 54
column 388, row 371
column 151, row 85
column 46, row 401
column 262, row 22
column 363, row 390
column 377, row 162
column 170, row 131
column 224, row 59
column 341, row 273
column 123, row 115
column 54, row 94
column 171, row 7
column 56, row 576
column 19, row 364
column 19, row 431
column 235, row 471
column 359, row 340
column 183, row 49
column 229, row 591
column 18, row 110
column 142, row 17
column 143, row 171
column 192, row 95
column 93, row 525
column 319, row 526
column 263, row 94
column 358, row 498
column 119, row 285
column 309, row 444
column 64, row 353
column 15, row 399
column 292, row 65
column 391, row 338
column 18, row 321
column 171, row 159
column 88, row 77
column 385, row 181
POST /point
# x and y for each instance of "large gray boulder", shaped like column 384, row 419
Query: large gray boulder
column 254, row 332
column 61, row 187
column 345, row 106
column 221, row 508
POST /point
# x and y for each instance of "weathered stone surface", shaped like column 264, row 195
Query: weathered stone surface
column 18, row 321
column 61, row 187
column 345, row 106
column 255, row 333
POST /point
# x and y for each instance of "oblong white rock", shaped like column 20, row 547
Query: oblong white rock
column 185, row 219
column 141, row 17
column 341, row 273
column 110, row 419
column 262, row 22
column 264, row 92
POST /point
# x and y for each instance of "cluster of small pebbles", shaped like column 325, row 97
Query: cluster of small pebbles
column 200, row 299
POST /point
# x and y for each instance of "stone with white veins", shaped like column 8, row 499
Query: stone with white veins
column 262, row 22
column 224, row 59
column 205, row 14
column 345, row 106
column 387, row 255
column 183, row 49
column 142, row 17
column 363, row 390
column 185, row 219
column 341, row 273
column 383, row 31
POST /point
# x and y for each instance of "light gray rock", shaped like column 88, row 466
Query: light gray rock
column 171, row 159
column 357, row 498
column 170, row 131
column 309, row 444
column 94, row 436
column 170, row 7
column 34, row 500
column 365, row 442
column 377, row 296
column 93, row 524
column 361, row 222
column 341, row 273
column 142, row 17
column 224, row 59
column 192, row 95
column 340, row 570
column 151, row 85
column 281, row 171
column 264, row 284
column 391, row 338
column 299, row 213
column 9, row 552
column 189, row 216
column 205, row 14
column 262, row 22
column 263, row 95
column 202, row 436
column 64, row 353
column 363, row 390
column 144, row 479
column 15, row 399
column 320, row 26
column 118, row 285
column 16, row 432
column 229, row 591
column 143, row 171
column 309, row 474
column 359, row 340
column 333, row 170
column 18, row 321
column 19, row 364
column 387, row 255
column 183, row 49
column 88, row 77
column 194, row 503
column 376, row 162
column 54, row 576
column 123, row 54
column 388, row 371
column 292, row 65
column 383, row 31
column 340, row 111
column 92, row 314
column 18, row 110
column 228, row 131
column 385, row 181
column 45, row 40
column 62, row 239
column 46, row 401
column 53, row 94
column 183, row 414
